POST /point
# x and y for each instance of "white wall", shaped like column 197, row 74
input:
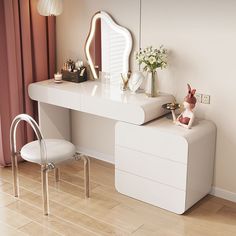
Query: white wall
column 201, row 37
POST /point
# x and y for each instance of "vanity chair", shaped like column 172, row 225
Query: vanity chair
column 48, row 153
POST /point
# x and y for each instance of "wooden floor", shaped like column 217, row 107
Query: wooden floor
column 105, row 213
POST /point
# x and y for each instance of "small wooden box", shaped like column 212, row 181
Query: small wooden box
column 77, row 77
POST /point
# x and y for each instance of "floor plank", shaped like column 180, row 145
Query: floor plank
column 106, row 212
column 37, row 229
column 9, row 231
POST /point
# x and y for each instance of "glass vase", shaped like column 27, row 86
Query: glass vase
column 151, row 89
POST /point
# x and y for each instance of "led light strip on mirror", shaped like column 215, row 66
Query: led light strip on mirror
column 117, row 28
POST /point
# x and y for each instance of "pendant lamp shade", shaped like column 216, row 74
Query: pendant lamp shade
column 50, row 7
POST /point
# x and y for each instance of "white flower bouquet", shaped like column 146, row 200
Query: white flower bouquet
column 152, row 58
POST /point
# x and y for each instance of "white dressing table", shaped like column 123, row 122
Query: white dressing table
column 56, row 100
column 156, row 162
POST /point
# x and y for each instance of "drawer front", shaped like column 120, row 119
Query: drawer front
column 151, row 140
column 151, row 192
column 151, row 167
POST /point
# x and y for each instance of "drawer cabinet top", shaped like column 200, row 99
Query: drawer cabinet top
column 164, row 125
column 162, row 138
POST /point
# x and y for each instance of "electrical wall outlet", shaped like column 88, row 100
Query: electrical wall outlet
column 206, row 99
column 198, row 97
column 203, row 98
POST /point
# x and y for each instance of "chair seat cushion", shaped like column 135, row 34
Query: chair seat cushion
column 57, row 150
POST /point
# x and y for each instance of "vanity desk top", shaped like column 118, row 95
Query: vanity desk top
column 100, row 99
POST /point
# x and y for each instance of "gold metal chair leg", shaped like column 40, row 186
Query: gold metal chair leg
column 86, row 175
column 57, row 174
column 15, row 175
column 44, row 176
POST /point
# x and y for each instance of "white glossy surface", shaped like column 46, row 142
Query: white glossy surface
column 54, row 121
column 151, row 192
column 158, row 142
column 173, row 159
column 154, row 168
column 100, row 99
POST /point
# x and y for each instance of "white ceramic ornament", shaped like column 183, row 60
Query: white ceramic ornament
column 135, row 81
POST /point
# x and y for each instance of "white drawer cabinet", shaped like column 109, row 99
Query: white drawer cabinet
column 163, row 164
column 133, row 161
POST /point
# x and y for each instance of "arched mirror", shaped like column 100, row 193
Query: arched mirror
column 108, row 47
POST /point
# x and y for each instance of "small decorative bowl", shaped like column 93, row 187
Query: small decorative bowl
column 171, row 106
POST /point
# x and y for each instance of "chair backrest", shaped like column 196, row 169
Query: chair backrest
column 35, row 127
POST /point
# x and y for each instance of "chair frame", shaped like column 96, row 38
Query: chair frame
column 45, row 165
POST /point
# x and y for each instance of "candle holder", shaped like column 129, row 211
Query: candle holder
column 58, row 78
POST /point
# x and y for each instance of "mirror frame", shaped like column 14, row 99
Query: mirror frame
column 120, row 29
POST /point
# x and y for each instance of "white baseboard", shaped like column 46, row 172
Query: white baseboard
column 96, row 154
column 222, row 193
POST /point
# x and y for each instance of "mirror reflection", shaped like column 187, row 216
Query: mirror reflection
column 108, row 47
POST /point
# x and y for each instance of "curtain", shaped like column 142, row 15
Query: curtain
column 27, row 54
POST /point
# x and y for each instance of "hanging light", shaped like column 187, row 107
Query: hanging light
column 50, row 7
